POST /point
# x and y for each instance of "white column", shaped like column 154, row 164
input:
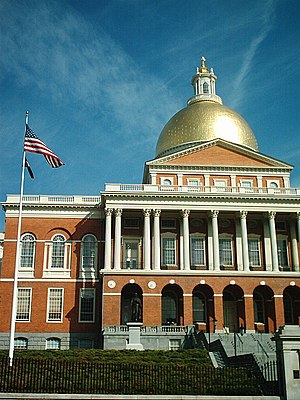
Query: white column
column 153, row 178
column 179, row 179
column 146, row 242
column 206, row 182
column 156, row 229
column 274, row 250
column 243, row 216
column 210, row 244
column 117, row 263
column 107, row 251
column 239, row 245
column 298, row 225
column 181, row 261
column 186, row 239
column 267, row 245
column 215, row 231
column 295, row 255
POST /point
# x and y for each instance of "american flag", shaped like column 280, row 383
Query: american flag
column 34, row 145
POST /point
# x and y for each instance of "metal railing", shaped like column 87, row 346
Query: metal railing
column 33, row 375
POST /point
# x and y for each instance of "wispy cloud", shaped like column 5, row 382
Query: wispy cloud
column 264, row 26
column 56, row 53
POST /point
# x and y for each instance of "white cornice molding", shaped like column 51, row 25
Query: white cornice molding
column 222, row 143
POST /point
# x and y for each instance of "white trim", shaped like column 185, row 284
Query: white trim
column 30, row 304
column 62, row 305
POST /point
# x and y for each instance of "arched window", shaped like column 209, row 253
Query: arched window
column 199, row 307
column 58, row 251
column 205, row 87
column 27, row 252
column 172, row 305
column 89, row 253
column 21, row 343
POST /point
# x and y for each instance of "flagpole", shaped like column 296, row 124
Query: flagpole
column 17, row 261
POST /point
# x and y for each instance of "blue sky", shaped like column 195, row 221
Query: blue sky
column 101, row 78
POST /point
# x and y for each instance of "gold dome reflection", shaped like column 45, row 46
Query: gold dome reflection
column 201, row 121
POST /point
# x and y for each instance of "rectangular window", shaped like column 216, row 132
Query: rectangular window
column 55, row 305
column 24, row 304
column 87, row 305
column 168, row 251
column 133, row 223
column 131, row 254
column 282, row 252
column 254, row 252
column 197, row 251
column 53, row 344
column 174, row 344
column 168, row 223
column 220, row 184
column 225, row 252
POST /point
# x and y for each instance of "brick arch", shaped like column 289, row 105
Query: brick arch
column 291, row 304
column 203, row 307
column 127, row 295
column 234, row 316
column 264, row 309
column 172, row 305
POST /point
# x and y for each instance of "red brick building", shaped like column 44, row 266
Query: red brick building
column 211, row 237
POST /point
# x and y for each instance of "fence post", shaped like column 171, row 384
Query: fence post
column 287, row 341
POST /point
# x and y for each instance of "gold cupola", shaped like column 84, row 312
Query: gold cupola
column 205, row 118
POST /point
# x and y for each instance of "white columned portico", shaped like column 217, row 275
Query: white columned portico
column 186, row 239
column 295, row 255
column 298, row 225
column 215, row 231
column 156, row 229
column 275, row 265
column 243, row 217
column 107, row 256
column 146, row 244
column 117, row 254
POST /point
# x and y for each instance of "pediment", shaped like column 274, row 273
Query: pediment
column 220, row 153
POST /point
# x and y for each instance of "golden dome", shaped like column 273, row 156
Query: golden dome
column 205, row 118
column 202, row 121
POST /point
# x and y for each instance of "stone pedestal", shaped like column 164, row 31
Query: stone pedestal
column 288, row 357
column 134, row 342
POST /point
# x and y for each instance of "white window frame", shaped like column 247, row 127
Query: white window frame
column 23, row 341
column 55, row 321
column 226, row 236
column 136, row 240
column 28, row 304
column 220, row 184
column 271, row 187
column 193, row 184
column 27, row 272
column 54, row 272
column 198, row 236
column 257, row 238
column 246, row 189
column 89, row 272
column 81, row 294
column 164, row 186
column 168, row 235
column 53, row 340
column 174, row 344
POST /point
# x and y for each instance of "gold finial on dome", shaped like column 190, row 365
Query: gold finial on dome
column 203, row 66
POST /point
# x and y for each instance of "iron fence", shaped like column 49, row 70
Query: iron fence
column 30, row 375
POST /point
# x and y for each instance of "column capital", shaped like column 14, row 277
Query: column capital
column 156, row 213
column 214, row 213
column 108, row 211
column 118, row 212
column 243, row 214
column 185, row 213
column 271, row 214
column 147, row 212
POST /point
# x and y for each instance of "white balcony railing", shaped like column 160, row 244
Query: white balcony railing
column 148, row 188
